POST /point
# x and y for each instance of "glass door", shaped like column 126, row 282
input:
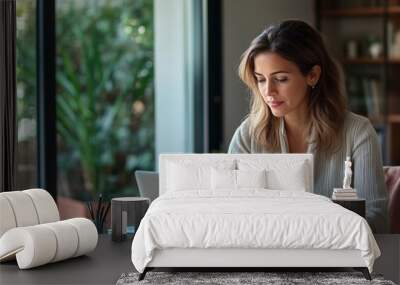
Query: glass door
column 26, row 94
column 104, row 100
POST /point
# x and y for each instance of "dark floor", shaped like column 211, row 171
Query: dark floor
column 102, row 266
column 111, row 259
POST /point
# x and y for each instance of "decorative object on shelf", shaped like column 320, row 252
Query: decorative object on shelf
column 125, row 211
column 375, row 50
column 345, row 193
column 372, row 47
column 395, row 48
column 348, row 173
column 99, row 215
column 352, row 49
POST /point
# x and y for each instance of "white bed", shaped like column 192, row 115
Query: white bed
column 227, row 217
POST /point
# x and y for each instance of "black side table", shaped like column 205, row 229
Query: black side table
column 355, row 205
column 124, row 211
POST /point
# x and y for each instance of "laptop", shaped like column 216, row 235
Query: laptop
column 147, row 182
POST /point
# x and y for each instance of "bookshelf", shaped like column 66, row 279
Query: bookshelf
column 357, row 11
column 364, row 35
column 366, row 60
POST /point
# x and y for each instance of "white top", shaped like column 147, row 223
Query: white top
column 360, row 142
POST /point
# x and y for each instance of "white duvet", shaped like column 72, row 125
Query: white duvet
column 251, row 218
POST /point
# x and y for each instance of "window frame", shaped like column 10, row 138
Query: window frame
column 46, row 96
column 208, row 130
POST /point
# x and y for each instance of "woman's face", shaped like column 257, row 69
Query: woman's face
column 283, row 87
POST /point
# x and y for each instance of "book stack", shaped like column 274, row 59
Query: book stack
column 344, row 194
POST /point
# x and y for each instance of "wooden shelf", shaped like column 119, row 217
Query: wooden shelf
column 394, row 10
column 360, row 11
column 394, row 118
column 355, row 23
column 368, row 60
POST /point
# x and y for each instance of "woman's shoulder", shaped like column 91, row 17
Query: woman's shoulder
column 241, row 140
column 359, row 130
column 243, row 131
column 245, row 124
column 355, row 123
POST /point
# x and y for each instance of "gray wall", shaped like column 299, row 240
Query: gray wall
column 243, row 20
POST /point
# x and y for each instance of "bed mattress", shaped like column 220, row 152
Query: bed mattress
column 250, row 219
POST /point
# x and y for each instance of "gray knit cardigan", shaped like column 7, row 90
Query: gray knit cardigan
column 360, row 142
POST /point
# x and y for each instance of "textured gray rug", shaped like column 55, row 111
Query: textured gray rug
column 229, row 278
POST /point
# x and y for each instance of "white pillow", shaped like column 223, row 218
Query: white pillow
column 186, row 177
column 251, row 179
column 282, row 175
column 295, row 180
column 236, row 179
column 223, row 179
column 189, row 175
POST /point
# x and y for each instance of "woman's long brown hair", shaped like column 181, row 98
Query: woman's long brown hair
column 299, row 43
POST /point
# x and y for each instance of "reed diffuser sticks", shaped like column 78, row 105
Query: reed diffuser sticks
column 98, row 214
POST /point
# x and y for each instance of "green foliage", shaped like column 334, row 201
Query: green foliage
column 105, row 93
column 105, row 109
column 26, row 60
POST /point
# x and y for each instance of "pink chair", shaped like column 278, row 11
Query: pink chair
column 392, row 180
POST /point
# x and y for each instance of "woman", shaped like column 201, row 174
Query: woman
column 298, row 106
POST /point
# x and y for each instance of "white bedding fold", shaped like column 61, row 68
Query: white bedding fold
column 252, row 218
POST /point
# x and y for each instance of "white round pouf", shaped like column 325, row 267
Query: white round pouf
column 46, row 208
column 23, row 208
column 32, row 246
column 7, row 218
column 31, row 233
column 87, row 235
column 67, row 240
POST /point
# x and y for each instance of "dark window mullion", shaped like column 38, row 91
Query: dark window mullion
column 215, row 88
column 198, row 87
column 46, row 100
column 8, row 95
